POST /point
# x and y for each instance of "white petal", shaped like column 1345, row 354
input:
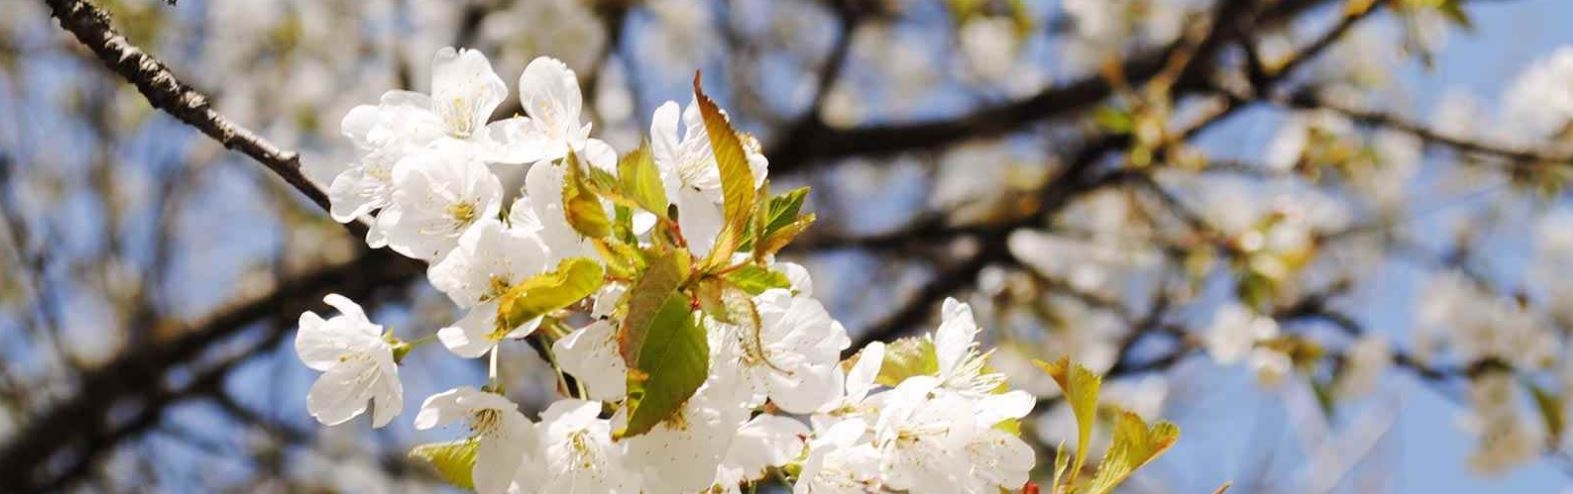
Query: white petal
column 1010, row 405
column 500, row 452
column 860, row 379
column 341, row 393
column 515, row 141
column 663, row 135
column 954, row 338
column 764, row 442
column 699, row 217
column 316, row 344
column 387, row 394
column 465, row 90
column 806, row 389
column 443, row 408
column 471, row 336
column 590, row 354
column 346, row 307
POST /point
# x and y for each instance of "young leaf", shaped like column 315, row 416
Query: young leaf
column 907, row 357
column 755, row 279
column 1081, row 391
column 1551, row 412
column 779, row 238
column 673, row 361
column 581, row 206
column 454, row 460
column 737, row 179
column 665, row 273
column 1134, row 445
column 783, row 209
column 574, row 279
column 641, row 181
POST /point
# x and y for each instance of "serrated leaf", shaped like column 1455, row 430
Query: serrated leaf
column 907, row 357
column 454, row 461
column 665, row 272
column 574, row 279
column 755, row 279
column 1062, row 462
column 673, row 362
column 737, row 179
column 641, row 180
column 1134, row 444
column 581, row 206
column 779, row 239
column 1080, row 387
column 784, row 208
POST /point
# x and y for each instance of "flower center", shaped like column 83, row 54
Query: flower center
column 485, row 421
column 462, row 213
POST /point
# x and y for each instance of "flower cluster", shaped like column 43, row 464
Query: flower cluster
column 690, row 360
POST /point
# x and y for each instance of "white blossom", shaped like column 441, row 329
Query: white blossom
column 1364, row 363
column 841, row 460
column 489, row 259
column 792, row 356
column 921, row 435
column 503, row 435
column 1234, row 330
column 465, row 91
column 577, row 454
column 680, row 455
column 357, row 365
column 763, row 442
column 437, row 195
column 962, row 367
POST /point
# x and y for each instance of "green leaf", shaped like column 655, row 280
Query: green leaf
column 1551, row 412
column 779, row 239
column 1454, row 11
column 666, row 271
column 755, row 279
column 783, row 209
column 738, row 191
column 574, row 279
column 1113, row 119
column 907, row 357
column 641, row 181
column 581, row 205
column 1134, row 445
column 454, row 460
column 1080, row 387
column 673, row 361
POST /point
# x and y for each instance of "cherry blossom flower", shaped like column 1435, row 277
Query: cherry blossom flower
column 1234, row 330
column 921, row 434
column 438, row 194
column 465, row 91
column 576, row 454
column 489, row 259
column 962, row 368
column 792, row 357
column 841, row 460
column 357, row 365
column 503, row 434
column 763, row 442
